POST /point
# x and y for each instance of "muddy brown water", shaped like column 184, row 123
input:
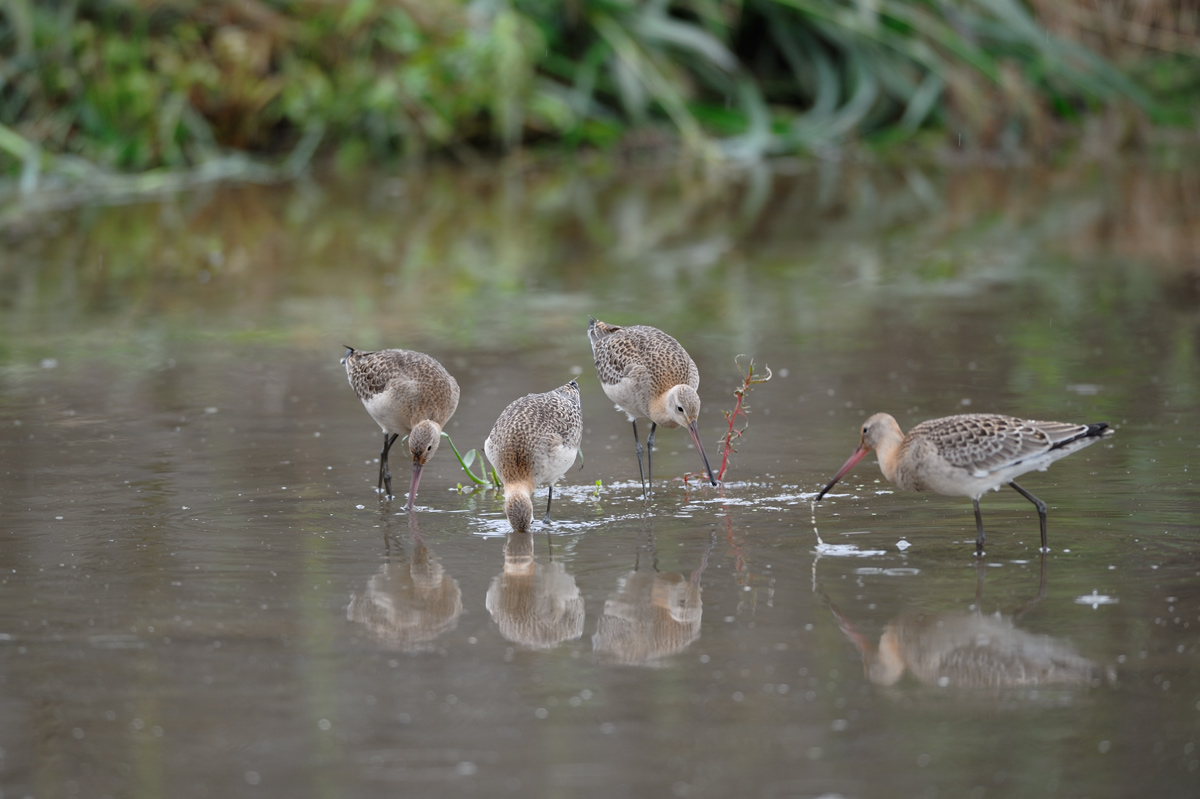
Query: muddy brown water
column 202, row 595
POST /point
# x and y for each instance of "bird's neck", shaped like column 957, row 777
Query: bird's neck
column 660, row 410
column 888, row 452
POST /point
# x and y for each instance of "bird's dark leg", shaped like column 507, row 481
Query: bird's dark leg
column 1041, row 509
column 650, row 456
column 978, row 528
column 385, row 474
column 637, row 447
column 549, row 499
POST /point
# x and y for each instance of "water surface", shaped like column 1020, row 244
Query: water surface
column 201, row 594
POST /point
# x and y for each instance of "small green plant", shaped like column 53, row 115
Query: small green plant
column 233, row 88
column 489, row 478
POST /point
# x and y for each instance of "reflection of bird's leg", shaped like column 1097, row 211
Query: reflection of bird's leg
column 549, row 499
column 645, row 545
column 650, row 456
column 712, row 542
column 1037, row 503
column 980, row 570
column 637, row 447
column 389, row 536
column 1040, row 595
column 385, row 474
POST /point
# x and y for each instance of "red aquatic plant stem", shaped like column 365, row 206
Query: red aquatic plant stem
column 727, row 447
column 739, row 409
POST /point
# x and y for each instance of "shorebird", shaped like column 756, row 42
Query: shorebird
column 534, row 442
column 969, row 454
column 408, row 393
column 646, row 373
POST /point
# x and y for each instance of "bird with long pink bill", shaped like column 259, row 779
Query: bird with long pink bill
column 406, row 393
column 969, row 454
column 648, row 374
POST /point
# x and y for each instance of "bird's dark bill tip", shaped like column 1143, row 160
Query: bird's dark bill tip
column 846, row 467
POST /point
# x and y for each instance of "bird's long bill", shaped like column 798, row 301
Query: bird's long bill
column 416, row 481
column 847, row 466
column 693, row 429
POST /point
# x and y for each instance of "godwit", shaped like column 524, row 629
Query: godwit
column 969, row 454
column 405, row 392
column 534, row 442
column 646, row 373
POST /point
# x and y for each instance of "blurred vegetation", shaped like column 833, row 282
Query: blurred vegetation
column 258, row 87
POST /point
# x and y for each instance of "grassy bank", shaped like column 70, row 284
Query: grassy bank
column 95, row 86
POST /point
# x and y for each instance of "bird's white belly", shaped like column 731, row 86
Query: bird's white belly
column 627, row 398
column 385, row 414
column 554, row 465
column 963, row 483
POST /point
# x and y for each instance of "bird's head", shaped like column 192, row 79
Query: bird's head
column 423, row 441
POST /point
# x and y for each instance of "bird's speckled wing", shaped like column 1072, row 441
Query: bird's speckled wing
column 983, row 443
column 422, row 386
column 637, row 352
column 534, row 425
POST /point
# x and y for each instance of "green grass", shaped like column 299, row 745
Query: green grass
column 95, row 86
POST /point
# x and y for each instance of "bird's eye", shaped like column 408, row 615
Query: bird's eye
column 678, row 408
column 429, row 448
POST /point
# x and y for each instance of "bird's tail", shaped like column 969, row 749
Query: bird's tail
column 598, row 330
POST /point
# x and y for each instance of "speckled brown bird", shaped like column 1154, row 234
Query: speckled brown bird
column 969, row 454
column 534, row 442
column 646, row 373
column 406, row 393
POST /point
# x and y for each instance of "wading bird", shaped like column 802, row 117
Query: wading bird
column 969, row 454
column 534, row 442
column 406, row 393
column 646, row 373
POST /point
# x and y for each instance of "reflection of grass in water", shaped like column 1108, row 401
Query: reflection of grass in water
column 476, row 264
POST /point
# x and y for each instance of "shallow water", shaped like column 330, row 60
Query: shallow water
column 201, row 594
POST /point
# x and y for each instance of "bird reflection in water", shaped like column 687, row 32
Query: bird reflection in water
column 972, row 650
column 534, row 604
column 411, row 600
column 652, row 614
